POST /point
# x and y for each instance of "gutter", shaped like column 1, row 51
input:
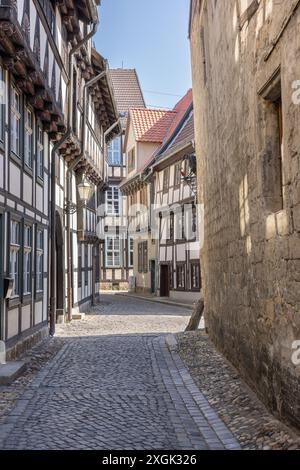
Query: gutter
column 56, row 147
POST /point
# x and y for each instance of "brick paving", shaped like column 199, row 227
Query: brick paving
column 116, row 383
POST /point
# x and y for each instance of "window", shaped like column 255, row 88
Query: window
column 166, row 180
column 131, row 160
column 40, row 152
column 170, row 234
column 113, row 252
column 14, row 256
column 272, row 158
column 130, row 251
column 86, row 264
column 27, row 289
column 177, row 175
column 79, row 265
column 143, row 196
column 2, row 103
column 180, row 224
column 39, row 260
column 143, row 257
column 195, row 276
column 15, row 121
column 113, row 201
column 180, row 275
column 115, row 152
column 28, row 138
column 97, row 262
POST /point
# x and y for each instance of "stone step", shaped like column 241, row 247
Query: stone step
column 11, row 371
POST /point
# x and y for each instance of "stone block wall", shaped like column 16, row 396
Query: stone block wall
column 246, row 53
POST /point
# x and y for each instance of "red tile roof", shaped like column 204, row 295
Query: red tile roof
column 181, row 108
column 127, row 90
column 151, row 125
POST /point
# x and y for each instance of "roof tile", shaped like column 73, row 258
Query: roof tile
column 151, row 125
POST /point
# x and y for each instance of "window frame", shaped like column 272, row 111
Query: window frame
column 181, row 266
column 113, row 201
column 27, row 251
column 15, row 121
column 112, row 151
column 113, row 252
column 15, row 247
column 177, row 175
column 28, row 132
column 39, row 252
column 166, row 180
column 40, row 149
column 2, row 104
column 130, row 252
column 196, row 265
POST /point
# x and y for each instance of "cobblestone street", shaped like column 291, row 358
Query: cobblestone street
column 115, row 384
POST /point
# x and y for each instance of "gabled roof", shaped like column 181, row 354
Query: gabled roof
column 180, row 133
column 151, row 125
column 181, row 109
column 127, row 91
column 185, row 135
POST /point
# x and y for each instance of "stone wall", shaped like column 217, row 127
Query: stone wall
column 243, row 53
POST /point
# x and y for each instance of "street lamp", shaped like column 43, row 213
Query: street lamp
column 84, row 191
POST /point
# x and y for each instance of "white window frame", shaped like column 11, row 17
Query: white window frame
column 14, row 256
column 115, row 152
column 114, row 253
column 39, row 260
column 113, row 201
column 27, row 268
column 28, row 137
column 2, row 103
column 15, row 121
column 130, row 251
column 40, row 152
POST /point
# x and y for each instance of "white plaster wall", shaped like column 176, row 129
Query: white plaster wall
column 27, row 192
column 14, row 180
column 25, row 321
column 13, row 323
column 38, row 313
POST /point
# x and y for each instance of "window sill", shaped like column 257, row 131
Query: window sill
column 40, row 181
column 14, row 302
column 15, row 159
column 39, row 296
column 28, row 170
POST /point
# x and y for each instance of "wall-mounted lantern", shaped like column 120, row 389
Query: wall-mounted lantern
column 85, row 191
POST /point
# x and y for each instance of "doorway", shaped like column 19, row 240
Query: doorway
column 164, row 280
column 153, row 273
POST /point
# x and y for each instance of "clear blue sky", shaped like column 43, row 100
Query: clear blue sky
column 150, row 36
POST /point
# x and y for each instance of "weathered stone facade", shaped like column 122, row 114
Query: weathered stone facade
column 245, row 59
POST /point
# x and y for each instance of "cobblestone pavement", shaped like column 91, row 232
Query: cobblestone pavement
column 235, row 403
column 116, row 383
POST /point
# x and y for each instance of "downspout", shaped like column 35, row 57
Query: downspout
column 53, row 178
column 70, row 169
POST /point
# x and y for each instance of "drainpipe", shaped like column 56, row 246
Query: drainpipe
column 56, row 147
column 70, row 169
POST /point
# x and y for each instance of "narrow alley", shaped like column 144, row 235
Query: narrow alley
column 115, row 381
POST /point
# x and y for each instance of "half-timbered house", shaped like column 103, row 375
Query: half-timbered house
column 117, row 249
column 178, row 273
column 46, row 68
column 146, row 129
